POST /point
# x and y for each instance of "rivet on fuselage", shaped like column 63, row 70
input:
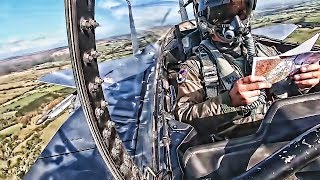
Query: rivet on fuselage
column 99, row 80
column 84, row 24
column 99, row 112
column 95, row 54
column 93, row 23
column 93, row 87
column 87, row 58
column 103, row 104
column 110, row 124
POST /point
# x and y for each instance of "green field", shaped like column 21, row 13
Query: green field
column 307, row 16
column 302, row 34
column 32, row 100
column 11, row 130
column 22, row 102
column 22, row 97
column 123, row 48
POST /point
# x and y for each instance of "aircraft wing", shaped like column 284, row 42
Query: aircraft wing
column 123, row 80
column 277, row 31
column 61, row 78
column 71, row 154
column 72, row 147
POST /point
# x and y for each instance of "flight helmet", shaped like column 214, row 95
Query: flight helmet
column 225, row 18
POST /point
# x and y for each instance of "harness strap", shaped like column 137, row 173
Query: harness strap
column 225, row 72
column 217, row 72
column 210, row 77
column 180, row 44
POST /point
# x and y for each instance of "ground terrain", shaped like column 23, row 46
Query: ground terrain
column 23, row 100
column 305, row 15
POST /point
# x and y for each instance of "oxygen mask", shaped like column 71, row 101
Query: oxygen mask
column 230, row 33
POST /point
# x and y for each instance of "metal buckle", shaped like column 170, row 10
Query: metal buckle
column 173, row 98
column 149, row 171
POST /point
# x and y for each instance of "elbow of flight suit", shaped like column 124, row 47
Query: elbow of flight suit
column 208, row 115
column 193, row 107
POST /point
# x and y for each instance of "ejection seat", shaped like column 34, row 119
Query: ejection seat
column 285, row 120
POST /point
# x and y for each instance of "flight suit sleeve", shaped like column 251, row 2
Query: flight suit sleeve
column 193, row 107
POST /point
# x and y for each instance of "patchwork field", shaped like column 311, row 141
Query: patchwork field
column 24, row 100
column 306, row 16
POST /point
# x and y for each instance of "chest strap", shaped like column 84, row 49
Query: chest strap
column 210, row 76
column 218, row 74
column 216, row 69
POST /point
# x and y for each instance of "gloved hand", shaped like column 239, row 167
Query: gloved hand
column 308, row 77
column 247, row 90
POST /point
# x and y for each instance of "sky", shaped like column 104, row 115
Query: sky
column 36, row 25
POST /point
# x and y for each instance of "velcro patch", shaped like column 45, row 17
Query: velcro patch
column 182, row 74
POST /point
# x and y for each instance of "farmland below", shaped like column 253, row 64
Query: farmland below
column 24, row 100
column 305, row 15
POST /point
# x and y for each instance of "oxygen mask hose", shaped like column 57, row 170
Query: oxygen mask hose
column 249, row 44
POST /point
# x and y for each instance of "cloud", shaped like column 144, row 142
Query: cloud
column 114, row 18
column 149, row 15
column 14, row 41
column 39, row 38
column 110, row 27
column 109, row 30
column 108, row 4
column 112, row 15
column 13, row 47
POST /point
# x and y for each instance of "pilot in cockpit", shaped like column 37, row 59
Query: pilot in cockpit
column 216, row 92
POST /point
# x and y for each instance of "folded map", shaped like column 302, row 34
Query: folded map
column 277, row 68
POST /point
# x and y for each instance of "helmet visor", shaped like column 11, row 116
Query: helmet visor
column 224, row 11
